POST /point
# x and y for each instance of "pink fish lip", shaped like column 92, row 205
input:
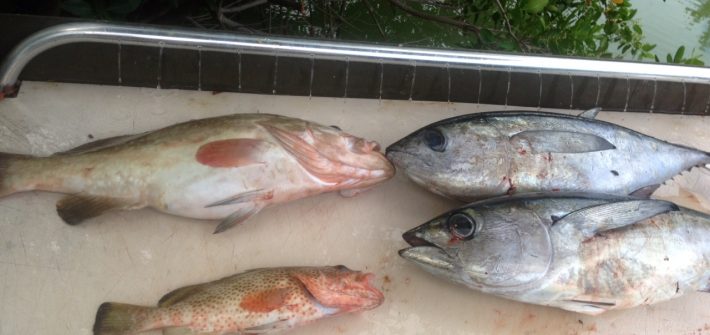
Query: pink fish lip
column 364, row 177
column 366, row 295
column 376, row 296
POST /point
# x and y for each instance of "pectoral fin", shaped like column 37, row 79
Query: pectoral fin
column 237, row 217
column 74, row 209
column 555, row 141
column 248, row 196
column 603, row 217
column 231, row 153
column 307, row 155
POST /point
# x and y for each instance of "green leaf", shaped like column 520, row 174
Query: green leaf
column 648, row 47
column 604, row 45
column 542, row 22
column 679, row 54
column 696, row 61
column 508, row 45
column 669, row 59
column 535, row 6
column 656, row 58
column 637, row 29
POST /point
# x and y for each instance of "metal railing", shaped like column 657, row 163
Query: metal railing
column 162, row 37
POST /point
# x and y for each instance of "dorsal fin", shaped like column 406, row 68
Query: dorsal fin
column 100, row 144
column 178, row 295
column 590, row 113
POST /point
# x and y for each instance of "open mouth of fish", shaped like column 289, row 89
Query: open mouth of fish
column 425, row 253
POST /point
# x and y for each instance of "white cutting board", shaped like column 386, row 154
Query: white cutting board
column 54, row 276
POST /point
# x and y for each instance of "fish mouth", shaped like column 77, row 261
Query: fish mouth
column 426, row 254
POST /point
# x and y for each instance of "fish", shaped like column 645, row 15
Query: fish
column 224, row 168
column 586, row 253
column 483, row 155
column 253, row 302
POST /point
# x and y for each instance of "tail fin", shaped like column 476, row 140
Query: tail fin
column 120, row 319
column 6, row 160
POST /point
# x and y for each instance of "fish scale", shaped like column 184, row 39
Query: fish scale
column 483, row 155
column 256, row 301
column 583, row 252
column 227, row 168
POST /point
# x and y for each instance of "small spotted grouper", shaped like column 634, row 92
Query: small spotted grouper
column 226, row 168
column 253, row 302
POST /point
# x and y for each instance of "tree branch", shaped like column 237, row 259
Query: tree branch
column 374, row 18
column 436, row 18
column 521, row 45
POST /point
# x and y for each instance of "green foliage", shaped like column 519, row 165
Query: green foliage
column 592, row 28
column 679, row 57
column 108, row 9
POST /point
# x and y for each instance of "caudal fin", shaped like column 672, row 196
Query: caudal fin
column 120, row 319
column 6, row 161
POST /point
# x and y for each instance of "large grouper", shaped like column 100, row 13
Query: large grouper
column 585, row 253
column 226, row 168
column 482, row 155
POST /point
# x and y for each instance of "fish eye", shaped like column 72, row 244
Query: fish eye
column 461, row 225
column 335, row 127
column 435, row 140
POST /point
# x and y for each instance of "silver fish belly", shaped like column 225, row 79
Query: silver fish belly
column 580, row 252
column 483, row 155
column 228, row 167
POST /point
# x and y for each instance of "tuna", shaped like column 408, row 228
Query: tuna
column 478, row 156
column 580, row 252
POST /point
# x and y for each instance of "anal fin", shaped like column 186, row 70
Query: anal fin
column 269, row 327
column 586, row 307
column 74, row 209
column 237, row 217
column 178, row 331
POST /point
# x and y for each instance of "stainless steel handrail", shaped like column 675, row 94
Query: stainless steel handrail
column 229, row 42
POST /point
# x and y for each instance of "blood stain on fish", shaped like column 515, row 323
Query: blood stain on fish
column 511, row 187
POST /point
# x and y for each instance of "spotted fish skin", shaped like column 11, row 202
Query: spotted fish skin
column 256, row 301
